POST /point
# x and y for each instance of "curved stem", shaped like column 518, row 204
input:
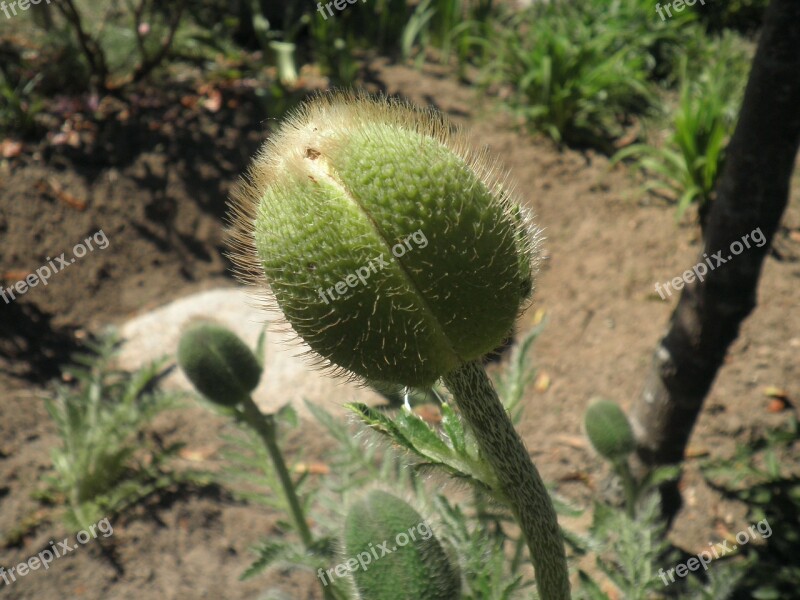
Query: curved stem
column 265, row 427
column 519, row 480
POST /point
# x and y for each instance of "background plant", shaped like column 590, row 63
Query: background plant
column 571, row 77
column 122, row 46
column 763, row 474
column 685, row 169
column 106, row 461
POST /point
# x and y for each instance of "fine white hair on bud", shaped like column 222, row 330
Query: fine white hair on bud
column 389, row 245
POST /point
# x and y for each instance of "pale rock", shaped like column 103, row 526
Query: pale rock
column 287, row 375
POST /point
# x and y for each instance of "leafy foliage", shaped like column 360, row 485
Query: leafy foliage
column 572, row 78
column 106, row 462
column 19, row 105
column 764, row 475
column 628, row 549
column 481, row 545
column 686, row 168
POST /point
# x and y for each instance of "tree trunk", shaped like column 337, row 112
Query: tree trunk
column 752, row 193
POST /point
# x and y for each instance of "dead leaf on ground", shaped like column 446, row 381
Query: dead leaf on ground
column 14, row 276
column 429, row 413
column 779, row 399
column 189, row 101
column 542, row 383
column 573, row 441
column 696, row 452
column 66, row 138
column 51, row 187
column 314, row 468
column 197, row 454
column 10, row 148
column 777, row 405
column 575, row 476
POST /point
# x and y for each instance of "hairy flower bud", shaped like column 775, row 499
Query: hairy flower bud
column 218, row 363
column 608, row 430
column 412, row 563
column 390, row 248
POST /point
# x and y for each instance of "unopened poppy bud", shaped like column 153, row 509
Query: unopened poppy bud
column 219, row 364
column 390, row 248
column 608, row 430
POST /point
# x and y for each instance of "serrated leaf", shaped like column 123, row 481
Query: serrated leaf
column 268, row 553
column 454, row 429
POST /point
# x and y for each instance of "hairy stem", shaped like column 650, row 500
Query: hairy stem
column 518, row 478
column 265, row 427
column 629, row 485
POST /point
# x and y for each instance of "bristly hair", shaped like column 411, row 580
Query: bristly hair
column 322, row 116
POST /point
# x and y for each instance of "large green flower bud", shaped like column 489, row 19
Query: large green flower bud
column 390, row 248
column 397, row 553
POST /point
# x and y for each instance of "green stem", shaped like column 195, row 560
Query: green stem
column 628, row 484
column 518, row 478
column 265, row 427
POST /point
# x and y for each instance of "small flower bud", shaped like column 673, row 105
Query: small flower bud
column 219, row 364
column 608, row 430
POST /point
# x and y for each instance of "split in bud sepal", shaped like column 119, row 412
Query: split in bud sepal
column 392, row 249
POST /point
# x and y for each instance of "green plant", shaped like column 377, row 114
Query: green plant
column 461, row 26
column 482, row 544
column 627, row 551
column 105, row 461
column 572, row 76
column 387, row 173
column 763, row 474
column 420, row 568
column 225, row 371
column 686, row 167
column 610, row 433
column 119, row 51
column 662, row 41
column 609, row 430
column 477, row 533
column 18, row 105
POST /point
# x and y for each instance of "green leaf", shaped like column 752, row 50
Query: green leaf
column 590, row 588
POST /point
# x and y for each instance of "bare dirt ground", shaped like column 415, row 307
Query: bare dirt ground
column 156, row 183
